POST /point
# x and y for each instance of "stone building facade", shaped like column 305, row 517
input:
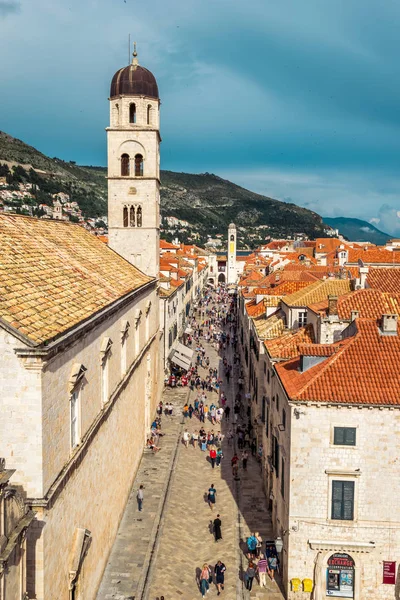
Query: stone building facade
column 80, row 380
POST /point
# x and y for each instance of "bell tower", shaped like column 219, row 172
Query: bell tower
column 133, row 143
column 232, row 274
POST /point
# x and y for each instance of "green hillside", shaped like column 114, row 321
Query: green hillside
column 206, row 201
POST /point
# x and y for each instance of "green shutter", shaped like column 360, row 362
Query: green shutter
column 338, row 436
column 343, row 500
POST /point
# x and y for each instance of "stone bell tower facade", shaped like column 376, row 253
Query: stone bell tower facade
column 232, row 273
column 133, row 141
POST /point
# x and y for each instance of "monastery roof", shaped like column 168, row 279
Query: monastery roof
column 287, row 344
column 55, row 274
column 318, row 291
column 386, row 280
column 352, row 375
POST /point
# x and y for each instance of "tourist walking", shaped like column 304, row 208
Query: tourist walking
column 140, row 497
column 219, row 571
column 251, row 543
column 195, row 438
column 217, row 528
column 205, row 579
column 213, row 456
column 235, row 465
column 262, row 570
column 245, row 457
column 249, row 575
column 186, row 438
column 211, row 496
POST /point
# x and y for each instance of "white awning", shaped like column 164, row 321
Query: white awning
column 182, row 356
column 188, row 330
column 180, row 361
column 182, row 349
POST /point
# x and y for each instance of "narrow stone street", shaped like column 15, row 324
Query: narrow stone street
column 162, row 552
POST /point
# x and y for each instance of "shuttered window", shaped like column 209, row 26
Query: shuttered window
column 275, row 455
column 283, row 478
column 343, row 500
column 344, row 436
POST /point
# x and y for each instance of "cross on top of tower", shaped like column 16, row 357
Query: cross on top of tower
column 135, row 61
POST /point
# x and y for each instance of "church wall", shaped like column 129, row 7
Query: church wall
column 96, row 494
column 21, row 415
column 87, row 351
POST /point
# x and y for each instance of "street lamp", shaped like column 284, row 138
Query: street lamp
column 279, row 544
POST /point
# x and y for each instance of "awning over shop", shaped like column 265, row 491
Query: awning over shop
column 188, row 330
column 181, row 356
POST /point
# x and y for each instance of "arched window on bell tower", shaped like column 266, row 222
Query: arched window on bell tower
column 139, row 216
column 125, row 216
column 149, row 114
column 132, row 220
column 125, row 165
column 132, row 113
column 138, row 165
column 232, row 238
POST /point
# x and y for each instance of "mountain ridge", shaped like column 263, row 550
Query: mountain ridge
column 357, row 230
column 206, row 201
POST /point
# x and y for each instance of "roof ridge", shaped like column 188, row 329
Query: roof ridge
column 328, row 362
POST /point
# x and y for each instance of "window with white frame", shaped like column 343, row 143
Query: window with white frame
column 105, row 356
column 123, row 355
column 104, row 379
column 302, row 318
column 75, row 418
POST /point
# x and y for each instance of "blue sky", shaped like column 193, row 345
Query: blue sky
column 296, row 100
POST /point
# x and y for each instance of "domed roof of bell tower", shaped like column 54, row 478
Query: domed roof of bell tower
column 134, row 80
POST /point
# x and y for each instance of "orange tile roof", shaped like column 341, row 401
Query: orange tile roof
column 164, row 245
column 287, row 345
column 365, row 369
column 386, row 280
column 324, row 245
column 317, row 349
column 374, row 256
column 371, row 304
column 255, row 310
column 288, row 287
column 54, row 275
column 318, row 291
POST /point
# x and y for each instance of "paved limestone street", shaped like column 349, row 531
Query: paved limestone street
column 161, row 550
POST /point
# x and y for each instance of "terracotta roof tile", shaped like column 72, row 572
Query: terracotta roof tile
column 385, row 280
column 354, row 374
column 287, row 345
column 53, row 275
column 318, row 291
column 374, row 256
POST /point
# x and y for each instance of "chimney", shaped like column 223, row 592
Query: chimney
column 332, row 305
column 354, row 315
column 389, row 324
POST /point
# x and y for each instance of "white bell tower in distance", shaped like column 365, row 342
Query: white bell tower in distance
column 232, row 273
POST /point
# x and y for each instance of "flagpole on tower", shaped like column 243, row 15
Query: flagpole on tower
column 129, row 48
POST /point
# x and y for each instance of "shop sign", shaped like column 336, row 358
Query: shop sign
column 340, row 576
column 389, row 572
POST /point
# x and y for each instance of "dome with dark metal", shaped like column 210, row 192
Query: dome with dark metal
column 134, row 80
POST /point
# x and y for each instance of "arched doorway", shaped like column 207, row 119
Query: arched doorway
column 340, row 576
column 221, row 278
column 211, row 280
